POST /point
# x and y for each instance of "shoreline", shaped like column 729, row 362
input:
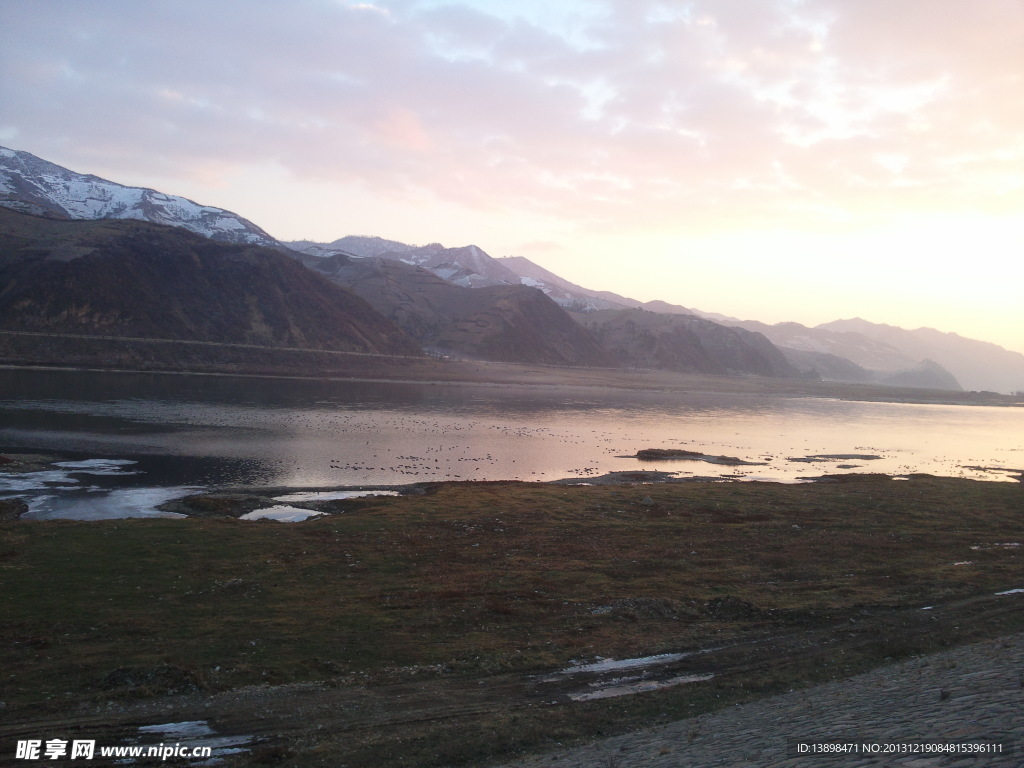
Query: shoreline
column 540, row 377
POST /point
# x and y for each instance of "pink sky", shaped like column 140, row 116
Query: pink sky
column 767, row 159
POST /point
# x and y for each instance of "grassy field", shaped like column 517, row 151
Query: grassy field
column 477, row 587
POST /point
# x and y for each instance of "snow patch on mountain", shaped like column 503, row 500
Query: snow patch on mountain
column 32, row 185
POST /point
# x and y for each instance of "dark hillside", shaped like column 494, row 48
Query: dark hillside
column 131, row 278
column 507, row 323
column 684, row 343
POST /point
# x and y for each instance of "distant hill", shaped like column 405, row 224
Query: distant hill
column 133, row 278
column 508, row 323
column 866, row 352
column 837, row 355
column 29, row 184
column 977, row 365
column 925, row 375
column 685, row 343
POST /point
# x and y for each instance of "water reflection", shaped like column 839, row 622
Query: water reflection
column 192, row 431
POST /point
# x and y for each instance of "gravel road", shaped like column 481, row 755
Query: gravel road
column 973, row 694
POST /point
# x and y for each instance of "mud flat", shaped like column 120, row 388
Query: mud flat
column 476, row 623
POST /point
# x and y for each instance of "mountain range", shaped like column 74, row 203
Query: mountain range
column 457, row 301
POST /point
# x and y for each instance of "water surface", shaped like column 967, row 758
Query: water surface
column 185, row 432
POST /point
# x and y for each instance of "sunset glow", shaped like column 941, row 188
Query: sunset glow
column 803, row 160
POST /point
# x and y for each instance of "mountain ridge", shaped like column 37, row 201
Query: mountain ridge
column 32, row 185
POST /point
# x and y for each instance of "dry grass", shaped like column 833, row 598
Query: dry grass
column 484, row 578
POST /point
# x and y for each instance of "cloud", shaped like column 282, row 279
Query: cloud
column 642, row 115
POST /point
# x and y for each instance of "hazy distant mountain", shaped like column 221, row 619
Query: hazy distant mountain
column 838, row 355
column 827, row 367
column 133, row 278
column 864, row 351
column 977, row 365
column 685, row 343
column 31, row 185
column 925, row 375
column 509, row 323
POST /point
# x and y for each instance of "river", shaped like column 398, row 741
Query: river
column 135, row 440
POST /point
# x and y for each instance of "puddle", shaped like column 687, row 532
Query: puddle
column 332, row 495
column 1010, row 592
column 281, row 513
column 191, row 735
column 613, row 665
column 607, row 687
column 627, row 688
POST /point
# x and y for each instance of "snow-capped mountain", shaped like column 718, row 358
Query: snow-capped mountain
column 472, row 267
column 351, row 245
column 569, row 295
column 31, row 185
column 468, row 266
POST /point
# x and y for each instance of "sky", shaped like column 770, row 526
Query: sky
column 776, row 160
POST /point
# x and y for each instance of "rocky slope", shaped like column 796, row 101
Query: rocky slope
column 132, row 278
column 31, row 185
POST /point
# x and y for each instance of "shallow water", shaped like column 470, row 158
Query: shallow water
column 192, row 735
column 200, row 431
column 281, row 513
